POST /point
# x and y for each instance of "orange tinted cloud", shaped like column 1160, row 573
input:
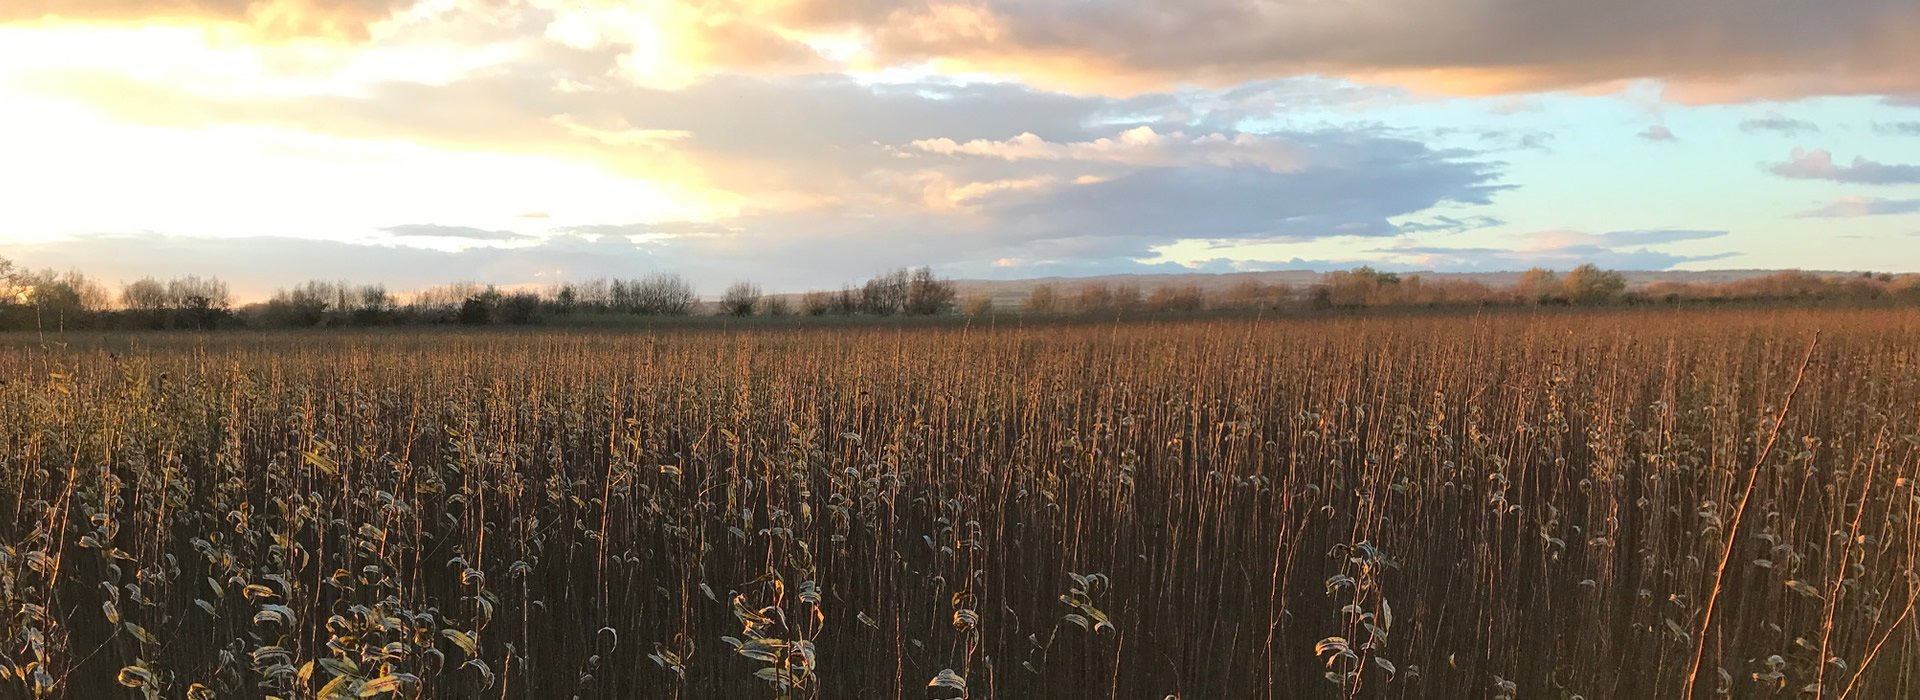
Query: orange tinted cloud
column 1706, row 50
column 269, row 18
column 1702, row 50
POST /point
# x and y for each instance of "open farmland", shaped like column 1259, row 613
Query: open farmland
column 1555, row 505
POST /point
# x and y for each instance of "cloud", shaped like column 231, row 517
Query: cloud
column 771, row 140
column 1702, row 50
column 1336, row 184
column 1652, row 236
column 1818, row 165
column 1849, row 207
column 275, row 19
column 1349, row 184
column 1780, row 124
column 871, row 175
column 1898, row 128
column 1561, row 250
column 1448, row 224
column 1140, row 145
column 1091, row 215
column 455, row 232
column 1707, row 49
column 1658, row 133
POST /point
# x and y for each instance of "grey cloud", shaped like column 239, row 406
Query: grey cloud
column 1658, row 133
column 1818, row 165
column 1779, row 124
column 1168, row 205
column 1350, row 186
column 1898, row 128
column 1768, row 46
column 1719, row 49
column 1448, row 224
column 1233, row 107
column 460, row 232
column 828, row 172
column 1862, row 206
column 831, row 139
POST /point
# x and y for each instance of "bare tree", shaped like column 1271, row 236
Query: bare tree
column 144, row 294
column 8, row 279
column 1177, row 298
column 55, row 296
column 846, row 301
column 816, row 303
column 663, row 294
column 741, row 298
column 1094, row 297
column 302, row 305
column 192, row 293
column 1044, row 299
column 885, row 294
column 928, row 295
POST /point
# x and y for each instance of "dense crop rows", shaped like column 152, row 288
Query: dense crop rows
column 1520, row 506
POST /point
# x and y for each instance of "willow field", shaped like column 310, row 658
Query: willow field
column 1558, row 505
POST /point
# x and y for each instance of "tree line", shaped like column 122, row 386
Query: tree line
column 1366, row 287
column 46, row 299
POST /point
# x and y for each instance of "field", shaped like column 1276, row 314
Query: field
column 1556, row 505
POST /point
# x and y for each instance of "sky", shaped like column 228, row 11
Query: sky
column 811, row 143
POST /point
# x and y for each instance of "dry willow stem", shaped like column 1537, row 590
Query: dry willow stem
column 1739, row 514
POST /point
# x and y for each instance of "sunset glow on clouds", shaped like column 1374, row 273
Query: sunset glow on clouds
column 807, row 143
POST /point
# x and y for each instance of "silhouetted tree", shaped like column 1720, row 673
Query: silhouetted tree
column 740, row 298
column 928, row 295
column 477, row 310
column 816, row 303
column 145, row 294
column 885, row 294
column 519, row 309
column 302, row 306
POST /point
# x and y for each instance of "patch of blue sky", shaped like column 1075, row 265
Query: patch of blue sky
column 1582, row 163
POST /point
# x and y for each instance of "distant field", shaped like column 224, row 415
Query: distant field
column 1524, row 505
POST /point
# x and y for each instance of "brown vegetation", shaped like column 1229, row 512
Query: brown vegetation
column 1518, row 506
